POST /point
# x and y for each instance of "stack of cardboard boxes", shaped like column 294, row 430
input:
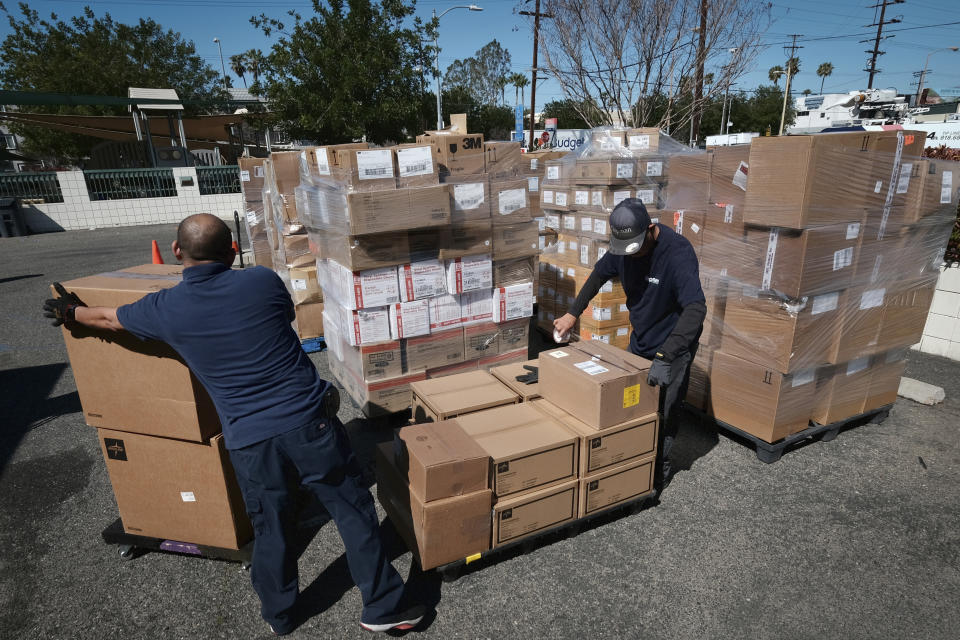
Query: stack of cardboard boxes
column 426, row 256
column 818, row 269
column 158, row 429
column 496, row 463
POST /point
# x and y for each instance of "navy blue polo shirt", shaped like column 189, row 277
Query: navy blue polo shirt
column 658, row 286
column 232, row 328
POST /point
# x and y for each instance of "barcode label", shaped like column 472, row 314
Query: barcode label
column 903, row 184
column 624, row 169
column 533, row 184
column 245, row 176
column 654, row 168
column 323, row 163
column 533, row 164
column 591, row 368
column 581, row 197
column 512, row 200
column 553, row 173
column 596, row 198
column 824, row 303
column 620, row 196
column 584, row 254
column 645, row 195
column 946, row 187
column 842, row 258
column 569, row 223
column 640, row 142
column 299, row 284
column 548, row 196
column 600, row 227
column 770, row 258
column 467, row 196
column 872, row 298
column 586, row 224
column 415, row 161
column 728, row 214
column 374, row 164
column 853, row 230
column 561, row 198
column 622, row 331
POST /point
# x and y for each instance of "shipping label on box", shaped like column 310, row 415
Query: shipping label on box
column 415, row 161
column 423, row 279
column 445, row 312
column 515, row 301
column 366, row 326
column 409, row 319
column 373, row 288
column 374, row 164
column 469, row 273
column 469, row 196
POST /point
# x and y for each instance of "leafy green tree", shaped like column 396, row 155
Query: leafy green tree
column 774, row 74
column 90, row 55
column 484, row 74
column 825, row 70
column 494, row 121
column 567, row 114
column 760, row 110
column 238, row 64
column 348, row 71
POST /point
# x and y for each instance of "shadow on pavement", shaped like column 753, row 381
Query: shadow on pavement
column 23, row 277
column 25, row 405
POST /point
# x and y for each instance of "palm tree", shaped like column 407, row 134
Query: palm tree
column 794, row 64
column 775, row 73
column 238, row 67
column 519, row 81
column 253, row 60
column 824, row 71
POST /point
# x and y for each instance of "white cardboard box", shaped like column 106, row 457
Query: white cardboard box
column 372, row 288
column 409, row 319
column 445, row 312
column 419, row 280
column 365, row 326
column 513, row 302
column 469, row 273
column 476, row 307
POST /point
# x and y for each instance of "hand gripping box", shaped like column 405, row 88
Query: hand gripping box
column 597, row 383
column 452, row 396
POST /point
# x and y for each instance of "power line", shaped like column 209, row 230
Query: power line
column 875, row 52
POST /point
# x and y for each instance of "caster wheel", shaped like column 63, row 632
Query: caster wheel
column 245, row 566
column 126, row 552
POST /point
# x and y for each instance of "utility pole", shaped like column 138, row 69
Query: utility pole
column 533, row 80
column 875, row 52
column 786, row 91
column 698, row 89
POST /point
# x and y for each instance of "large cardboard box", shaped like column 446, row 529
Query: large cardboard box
column 514, row 335
column 861, row 312
column 516, row 240
column 176, row 490
column 362, row 253
column 309, row 322
column 452, row 396
column 128, row 384
column 503, row 158
column 905, row 314
column 528, row 449
column 378, row 398
column 466, row 239
column 934, row 186
column 510, row 203
column 366, row 169
column 456, row 152
column 470, row 195
column 375, row 361
column 615, row 486
column 440, row 460
column 415, row 165
column 507, row 374
column 598, row 383
column 439, row 349
column 601, row 449
column 841, row 391
column 398, row 209
column 437, row 532
column 759, row 400
column 886, row 370
column 611, row 171
column 532, row 513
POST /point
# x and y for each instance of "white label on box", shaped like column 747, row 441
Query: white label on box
column 607, row 287
column 591, row 368
column 251, row 217
column 622, row 331
column 548, row 196
column 513, row 200
column 581, row 197
column 824, row 303
column 299, row 284
column 608, row 144
column 467, row 196
column 553, row 173
column 654, row 169
column 371, row 325
column 415, row 161
column 569, row 223
column 728, row 214
column 853, row 230
column 323, row 163
column 600, row 226
column 640, row 142
column 542, row 244
column 770, row 258
column 842, row 258
column 946, row 187
column 423, row 279
column 624, row 169
column 645, row 196
column 586, row 224
column 694, row 227
column 655, row 220
column 623, row 308
column 602, row 338
column 903, row 184
column 561, row 246
column 533, row 164
column 620, row 196
column 476, row 307
column 533, row 184
column 375, row 288
column 375, row 164
column 245, row 176
column 513, row 302
column 409, row 319
column 602, row 313
column 258, row 171
column 559, row 354
column 878, row 186
column 801, row 378
column 571, row 272
column 561, row 198
column 552, row 220
column 872, row 298
column 601, row 251
column 858, row 365
column 596, row 198
column 541, row 224
column 740, row 175
column 584, row 254
column 188, row 496
column 572, row 245
column 469, row 274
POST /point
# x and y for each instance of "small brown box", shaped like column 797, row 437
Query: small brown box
column 440, row 460
column 528, row 514
column 451, row 396
column 615, row 486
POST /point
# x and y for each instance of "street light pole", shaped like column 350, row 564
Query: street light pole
column 923, row 74
column 223, row 67
column 436, row 49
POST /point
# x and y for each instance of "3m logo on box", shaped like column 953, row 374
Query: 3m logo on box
column 503, row 467
column 507, row 514
column 595, row 443
column 471, row 143
column 593, row 486
column 115, row 449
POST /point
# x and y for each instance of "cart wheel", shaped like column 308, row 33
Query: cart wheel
column 126, row 552
column 245, row 565
column 829, row 435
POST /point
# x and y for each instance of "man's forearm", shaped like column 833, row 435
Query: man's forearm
column 686, row 331
column 588, row 291
column 98, row 318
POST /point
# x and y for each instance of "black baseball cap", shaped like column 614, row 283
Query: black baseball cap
column 629, row 222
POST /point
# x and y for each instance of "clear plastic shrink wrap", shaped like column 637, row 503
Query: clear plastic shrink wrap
column 818, row 258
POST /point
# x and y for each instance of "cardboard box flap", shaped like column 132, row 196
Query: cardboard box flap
column 474, row 390
column 437, row 443
column 504, row 430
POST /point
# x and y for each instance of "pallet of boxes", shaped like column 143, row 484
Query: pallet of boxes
column 158, row 429
column 426, row 256
column 819, row 262
column 493, row 460
column 578, row 193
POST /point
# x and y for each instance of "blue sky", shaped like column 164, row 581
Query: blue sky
column 831, row 31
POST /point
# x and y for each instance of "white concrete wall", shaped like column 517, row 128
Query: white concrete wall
column 77, row 211
column 941, row 335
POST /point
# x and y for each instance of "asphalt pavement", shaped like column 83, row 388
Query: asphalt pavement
column 855, row 538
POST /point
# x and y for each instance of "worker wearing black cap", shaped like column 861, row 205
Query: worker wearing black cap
column 660, row 275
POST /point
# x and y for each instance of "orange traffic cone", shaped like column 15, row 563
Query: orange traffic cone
column 157, row 258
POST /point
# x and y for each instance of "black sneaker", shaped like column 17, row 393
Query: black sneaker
column 400, row 621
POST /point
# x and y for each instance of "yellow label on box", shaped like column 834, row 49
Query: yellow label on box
column 631, row 396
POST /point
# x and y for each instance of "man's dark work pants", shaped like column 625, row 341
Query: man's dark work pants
column 319, row 458
column 671, row 401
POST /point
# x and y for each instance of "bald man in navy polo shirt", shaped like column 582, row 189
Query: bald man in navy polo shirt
column 659, row 272
column 279, row 417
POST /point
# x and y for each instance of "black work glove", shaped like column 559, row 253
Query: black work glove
column 64, row 308
column 530, row 378
column 660, row 371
